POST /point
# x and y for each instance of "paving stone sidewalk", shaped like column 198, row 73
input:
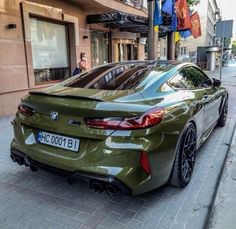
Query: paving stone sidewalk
column 223, row 214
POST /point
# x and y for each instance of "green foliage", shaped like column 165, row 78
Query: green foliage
column 234, row 47
column 192, row 2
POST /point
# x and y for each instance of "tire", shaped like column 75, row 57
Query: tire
column 223, row 116
column 185, row 158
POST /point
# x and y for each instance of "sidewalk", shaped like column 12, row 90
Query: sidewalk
column 224, row 206
column 223, row 214
column 228, row 74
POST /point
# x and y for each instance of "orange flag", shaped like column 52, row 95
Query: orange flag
column 182, row 15
column 195, row 25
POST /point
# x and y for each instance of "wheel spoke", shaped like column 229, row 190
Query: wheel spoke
column 188, row 154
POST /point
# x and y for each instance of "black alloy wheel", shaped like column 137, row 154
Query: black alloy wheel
column 185, row 158
column 188, row 148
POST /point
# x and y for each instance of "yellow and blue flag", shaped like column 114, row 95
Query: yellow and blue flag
column 157, row 16
column 177, row 37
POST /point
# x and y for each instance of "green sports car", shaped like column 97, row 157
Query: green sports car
column 125, row 127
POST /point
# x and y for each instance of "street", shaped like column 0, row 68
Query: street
column 43, row 200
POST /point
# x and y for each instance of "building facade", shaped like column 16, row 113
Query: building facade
column 209, row 14
column 41, row 41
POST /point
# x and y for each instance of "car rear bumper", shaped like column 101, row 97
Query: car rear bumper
column 77, row 175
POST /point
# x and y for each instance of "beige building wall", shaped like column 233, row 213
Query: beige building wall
column 16, row 68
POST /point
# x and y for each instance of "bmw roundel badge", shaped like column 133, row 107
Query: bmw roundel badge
column 54, row 115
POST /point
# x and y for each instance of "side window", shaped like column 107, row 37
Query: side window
column 199, row 79
column 181, row 81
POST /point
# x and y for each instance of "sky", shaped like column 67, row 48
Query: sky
column 228, row 9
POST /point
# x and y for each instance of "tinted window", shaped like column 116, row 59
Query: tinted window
column 199, row 79
column 181, row 81
column 119, row 76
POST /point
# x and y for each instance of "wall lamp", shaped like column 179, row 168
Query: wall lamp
column 11, row 26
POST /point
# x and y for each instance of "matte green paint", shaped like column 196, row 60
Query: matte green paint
column 117, row 153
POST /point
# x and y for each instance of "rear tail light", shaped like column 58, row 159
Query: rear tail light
column 144, row 163
column 148, row 119
column 24, row 110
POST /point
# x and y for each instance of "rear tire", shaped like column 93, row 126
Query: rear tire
column 185, row 158
column 223, row 116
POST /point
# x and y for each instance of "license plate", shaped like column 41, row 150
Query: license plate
column 58, row 141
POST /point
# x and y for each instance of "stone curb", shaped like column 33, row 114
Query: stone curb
column 226, row 145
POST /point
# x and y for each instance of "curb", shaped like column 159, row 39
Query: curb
column 227, row 141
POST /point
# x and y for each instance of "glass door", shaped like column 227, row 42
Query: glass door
column 125, row 52
column 99, row 48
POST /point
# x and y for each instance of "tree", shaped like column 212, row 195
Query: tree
column 234, row 48
column 192, row 2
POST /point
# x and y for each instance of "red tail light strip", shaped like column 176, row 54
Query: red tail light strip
column 148, row 119
column 24, row 110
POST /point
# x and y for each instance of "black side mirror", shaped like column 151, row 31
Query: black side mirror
column 216, row 82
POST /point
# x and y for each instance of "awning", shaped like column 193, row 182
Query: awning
column 125, row 22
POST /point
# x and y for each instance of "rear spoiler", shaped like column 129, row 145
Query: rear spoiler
column 65, row 96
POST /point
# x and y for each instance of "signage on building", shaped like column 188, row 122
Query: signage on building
column 143, row 41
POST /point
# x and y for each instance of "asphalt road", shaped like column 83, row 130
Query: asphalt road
column 42, row 200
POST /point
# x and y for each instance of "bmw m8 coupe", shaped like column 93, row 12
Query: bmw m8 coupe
column 126, row 127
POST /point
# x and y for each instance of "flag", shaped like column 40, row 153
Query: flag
column 177, row 37
column 169, row 8
column 185, row 33
column 184, row 21
column 196, row 25
column 174, row 22
column 157, row 16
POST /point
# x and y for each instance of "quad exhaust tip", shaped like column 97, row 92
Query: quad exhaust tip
column 98, row 186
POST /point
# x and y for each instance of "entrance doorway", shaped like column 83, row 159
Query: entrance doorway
column 125, row 50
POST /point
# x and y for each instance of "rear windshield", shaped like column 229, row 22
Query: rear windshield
column 116, row 77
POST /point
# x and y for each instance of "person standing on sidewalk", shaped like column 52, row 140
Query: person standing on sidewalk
column 83, row 62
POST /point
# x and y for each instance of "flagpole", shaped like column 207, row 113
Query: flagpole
column 170, row 46
column 171, row 37
column 150, row 30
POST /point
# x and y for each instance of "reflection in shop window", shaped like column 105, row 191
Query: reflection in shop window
column 49, row 51
column 99, row 48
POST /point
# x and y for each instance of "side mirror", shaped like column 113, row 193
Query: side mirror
column 216, row 82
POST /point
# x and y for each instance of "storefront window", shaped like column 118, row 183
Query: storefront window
column 49, row 51
column 99, row 48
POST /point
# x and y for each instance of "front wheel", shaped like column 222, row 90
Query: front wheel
column 185, row 158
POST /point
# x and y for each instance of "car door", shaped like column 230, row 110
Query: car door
column 211, row 97
column 182, row 82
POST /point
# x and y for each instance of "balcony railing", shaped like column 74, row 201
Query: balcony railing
column 140, row 4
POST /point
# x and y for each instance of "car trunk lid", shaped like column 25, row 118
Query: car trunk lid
column 73, row 105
